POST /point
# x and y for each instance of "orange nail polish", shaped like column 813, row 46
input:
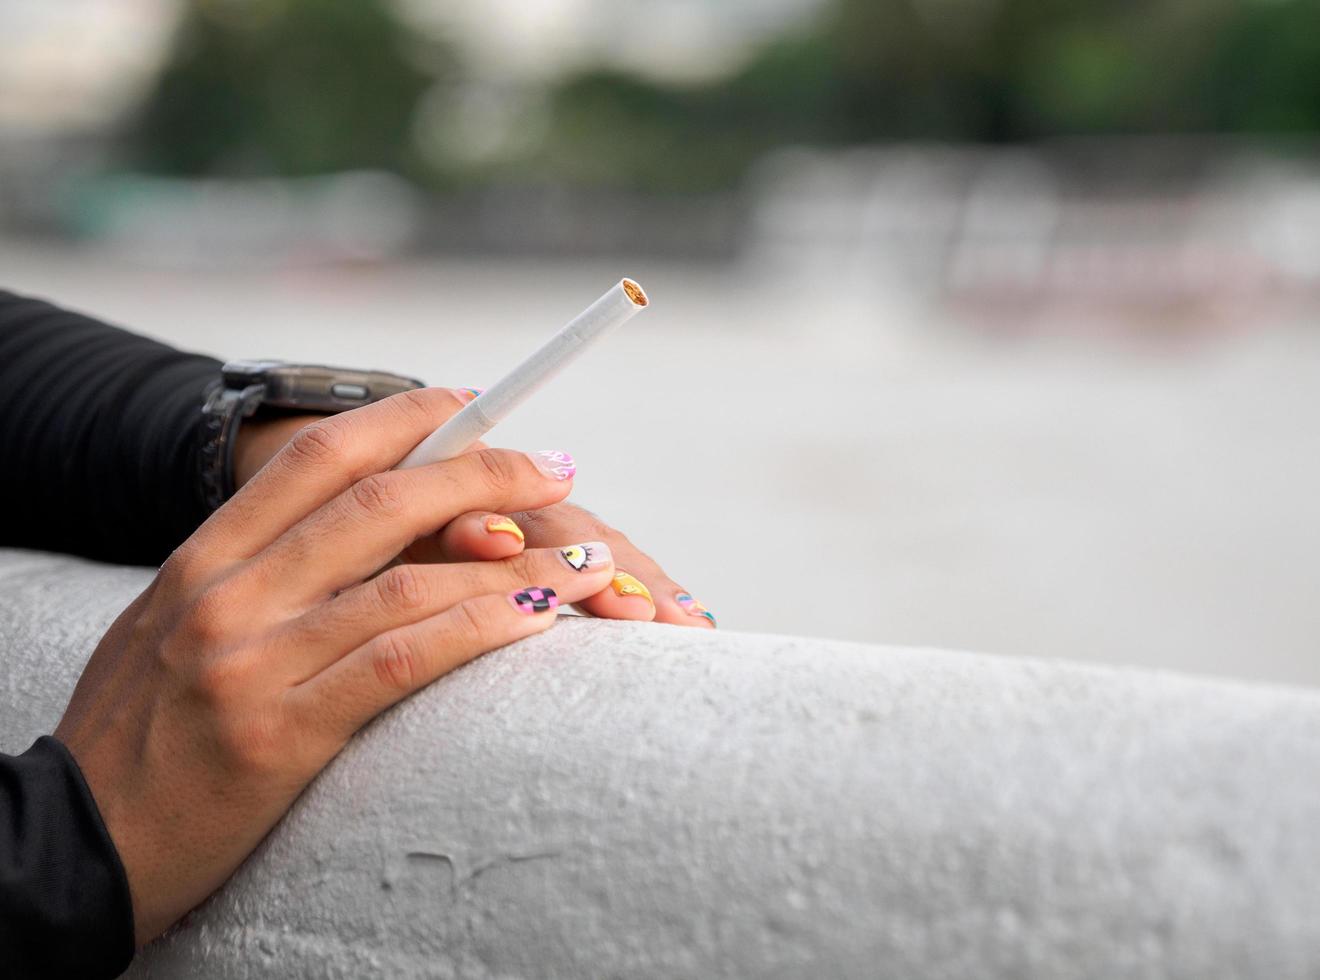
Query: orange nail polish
column 497, row 524
column 625, row 585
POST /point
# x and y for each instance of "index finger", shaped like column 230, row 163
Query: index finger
column 320, row 462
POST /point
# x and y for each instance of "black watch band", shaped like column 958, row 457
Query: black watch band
column 224, row 410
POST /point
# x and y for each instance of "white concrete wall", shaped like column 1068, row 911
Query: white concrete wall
column 614, row 800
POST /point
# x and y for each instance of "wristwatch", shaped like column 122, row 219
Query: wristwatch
column 246, row 387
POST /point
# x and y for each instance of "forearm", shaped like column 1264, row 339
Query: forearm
column 98, row 436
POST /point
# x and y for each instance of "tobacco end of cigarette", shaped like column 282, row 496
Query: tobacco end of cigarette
column 635, row 293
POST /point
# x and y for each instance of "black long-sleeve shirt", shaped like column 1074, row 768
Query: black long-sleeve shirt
column 98, row 457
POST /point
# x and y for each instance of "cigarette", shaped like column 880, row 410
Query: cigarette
column 497, row 402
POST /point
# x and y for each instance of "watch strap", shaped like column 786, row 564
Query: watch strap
column 224, row 409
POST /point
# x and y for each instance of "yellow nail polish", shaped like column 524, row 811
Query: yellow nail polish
column 625, row 585
column 495, row 524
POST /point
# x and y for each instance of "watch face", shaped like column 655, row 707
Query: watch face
column 314, row 387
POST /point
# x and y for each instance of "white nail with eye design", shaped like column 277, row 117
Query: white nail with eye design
column 583, row 557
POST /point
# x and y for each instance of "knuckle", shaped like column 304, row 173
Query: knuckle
column 220, row 680
column 522, row 568
column 496, row 470
column 592, row 525
column 470, row 627
column 208, row 621
column 182, row 569
column 620, row 544
column 397, row 662
column 316, row 444
column 421, row 400
column 252, row 741
column 379, row 495
column 404, row 588
column 426, row 406
column 600, row 531
column 536, row 523
column 149, row 631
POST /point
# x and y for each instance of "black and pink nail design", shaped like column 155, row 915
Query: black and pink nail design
column 534, row 600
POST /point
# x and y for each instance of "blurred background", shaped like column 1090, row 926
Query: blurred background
column 987, row 324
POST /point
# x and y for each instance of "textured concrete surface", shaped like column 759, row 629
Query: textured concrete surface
column 616, row 800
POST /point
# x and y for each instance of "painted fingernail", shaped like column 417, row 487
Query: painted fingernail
column 694, row 608
column 581, row 557
column 625, row 585
column 534, row 600
column 470, row 393
column 497, row 524
column 555, row 464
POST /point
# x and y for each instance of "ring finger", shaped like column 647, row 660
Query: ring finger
column 408, row 594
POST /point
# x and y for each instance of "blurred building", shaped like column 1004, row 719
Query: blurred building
column 1132, row 232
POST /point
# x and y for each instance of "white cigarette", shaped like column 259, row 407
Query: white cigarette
column 497, row 402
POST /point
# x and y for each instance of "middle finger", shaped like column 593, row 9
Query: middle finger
column 357, row 532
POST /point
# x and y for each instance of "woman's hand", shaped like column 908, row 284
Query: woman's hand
column 267, row 640
column 641, row 589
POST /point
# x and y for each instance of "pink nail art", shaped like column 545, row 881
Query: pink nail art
column 533, row 600
column 554, row 463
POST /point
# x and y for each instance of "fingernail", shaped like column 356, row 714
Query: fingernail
column 555, row 464
column 694, row 608
column 625, row 585
column 497, row 524
column 581, row 557
column 534, row 600
column 470, row 393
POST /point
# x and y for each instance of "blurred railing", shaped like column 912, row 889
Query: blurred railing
column 1165, row 225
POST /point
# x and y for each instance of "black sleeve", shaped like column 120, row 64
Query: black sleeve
column 65, row 909
column 98, row 436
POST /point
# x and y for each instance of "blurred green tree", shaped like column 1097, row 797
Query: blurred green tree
column 978, row 70
column 1267, row 69
column 310, row 86
column 286, row 87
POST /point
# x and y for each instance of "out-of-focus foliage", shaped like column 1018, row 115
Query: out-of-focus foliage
column 980, row 70
column 310, row 86
column 288, row 87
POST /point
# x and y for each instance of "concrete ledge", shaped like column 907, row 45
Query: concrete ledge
column 623, row 800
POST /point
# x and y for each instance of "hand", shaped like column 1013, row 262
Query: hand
column 641, row 591
column 267, row 639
